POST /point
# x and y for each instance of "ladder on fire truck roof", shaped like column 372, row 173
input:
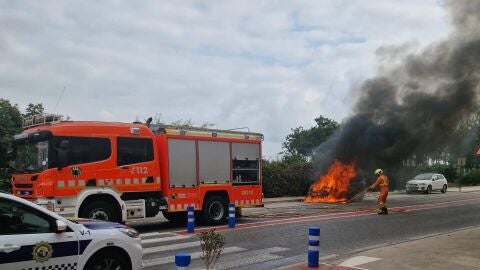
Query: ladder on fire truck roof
column 44, row 119
column 186, row 130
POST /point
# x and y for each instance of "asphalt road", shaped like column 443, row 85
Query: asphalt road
column 276, row 235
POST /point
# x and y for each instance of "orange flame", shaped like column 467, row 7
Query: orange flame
column 333, row 186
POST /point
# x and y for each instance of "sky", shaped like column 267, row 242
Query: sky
column 267, row 65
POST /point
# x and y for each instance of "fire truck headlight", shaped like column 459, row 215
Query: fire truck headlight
column 130, row 232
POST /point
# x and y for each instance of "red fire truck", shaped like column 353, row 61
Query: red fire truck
column 122, row 171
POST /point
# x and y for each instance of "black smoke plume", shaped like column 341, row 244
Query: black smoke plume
column 414, row 107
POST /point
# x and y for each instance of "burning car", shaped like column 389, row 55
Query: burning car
column 339, row 185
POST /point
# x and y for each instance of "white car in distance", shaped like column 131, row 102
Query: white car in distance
column 426, row 183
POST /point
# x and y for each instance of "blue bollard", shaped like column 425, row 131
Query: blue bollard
column 182, row 260
column 190, row 219
column 231, row 215
column 313, row 246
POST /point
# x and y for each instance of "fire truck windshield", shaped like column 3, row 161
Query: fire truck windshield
column 31, row 156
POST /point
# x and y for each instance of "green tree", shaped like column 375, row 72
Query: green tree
column 10, row 124
column 33, row 110
column 303, row 141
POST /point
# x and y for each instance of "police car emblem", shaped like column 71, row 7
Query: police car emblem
column 42, row 252
column 76, row 172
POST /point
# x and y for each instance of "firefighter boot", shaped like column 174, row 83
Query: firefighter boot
column 385, row 210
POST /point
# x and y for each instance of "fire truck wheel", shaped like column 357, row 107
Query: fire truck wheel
column 215, row 210
column 101, row 210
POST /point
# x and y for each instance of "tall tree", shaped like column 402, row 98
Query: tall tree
column 10, row 124
column 33, row 110
column 303, row 141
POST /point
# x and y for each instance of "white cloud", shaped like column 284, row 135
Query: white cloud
column 268, row 65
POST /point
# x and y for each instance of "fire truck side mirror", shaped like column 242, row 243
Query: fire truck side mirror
column 62, row 154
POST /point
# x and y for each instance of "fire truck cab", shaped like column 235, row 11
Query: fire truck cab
column 122, row 171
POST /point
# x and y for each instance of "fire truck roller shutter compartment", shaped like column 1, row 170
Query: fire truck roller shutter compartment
column 246, row 163
column 243, row 151
column 214, row 162
column 182, row 164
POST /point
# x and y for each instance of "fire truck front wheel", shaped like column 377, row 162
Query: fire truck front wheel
column 214, row 210
column 102, row 210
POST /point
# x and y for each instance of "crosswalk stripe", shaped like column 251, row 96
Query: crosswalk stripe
column 165, row 239
column 194, row 255
column 358, row 260
column 170, row 247
column 144, row 235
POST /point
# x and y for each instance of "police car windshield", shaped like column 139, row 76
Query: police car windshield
column 31, row 156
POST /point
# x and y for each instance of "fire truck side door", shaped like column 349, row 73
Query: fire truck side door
column 83, row 157
column 135, row 157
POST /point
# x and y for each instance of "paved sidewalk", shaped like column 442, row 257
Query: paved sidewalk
column 456, row 250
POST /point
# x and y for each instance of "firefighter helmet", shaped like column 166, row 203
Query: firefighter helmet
column 378, row 171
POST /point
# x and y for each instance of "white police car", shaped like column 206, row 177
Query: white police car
column 33, row 238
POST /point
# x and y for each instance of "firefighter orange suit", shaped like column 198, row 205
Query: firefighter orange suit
column 382, row 181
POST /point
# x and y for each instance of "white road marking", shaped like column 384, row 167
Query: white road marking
column 358, row 260
column 170, row 247
column 165, row 239
column 194, row 255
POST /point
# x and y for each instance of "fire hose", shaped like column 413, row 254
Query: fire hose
column 358, row 195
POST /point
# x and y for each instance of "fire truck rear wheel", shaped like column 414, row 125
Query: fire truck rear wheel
column 214, row 210
column 101, row 210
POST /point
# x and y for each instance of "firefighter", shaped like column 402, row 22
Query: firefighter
column 382, row 181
